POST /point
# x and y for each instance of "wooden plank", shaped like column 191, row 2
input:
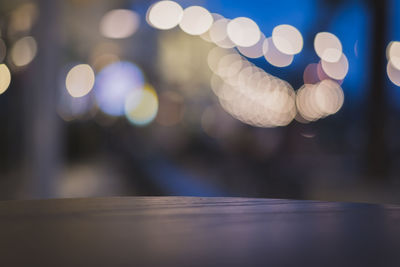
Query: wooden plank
column 189, row 231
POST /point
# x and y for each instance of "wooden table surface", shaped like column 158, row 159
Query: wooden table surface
column 188, row 231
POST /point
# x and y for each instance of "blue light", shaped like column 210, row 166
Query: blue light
column 114, row 83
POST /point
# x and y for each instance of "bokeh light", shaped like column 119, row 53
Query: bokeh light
column 119, row 23
column 72, row 108
column 393, row 74
column 215, row 55
column 218, row 30
column 274, row 56
column 23, row 51
column 254, row 51
column 141, row 106
column 80, row 80
column 315, row 101
column 114, row 83
column 229, row 65
column 196, row 20
column 323, row 76
column 336, row 70
column 243, row 32
column 329, row 97
column 219, row 35
column 164, row 15
column 5, row 78
column 393, row 54
column 328, row 47
column 250, row 94
column 287, row 39
column 206, row 36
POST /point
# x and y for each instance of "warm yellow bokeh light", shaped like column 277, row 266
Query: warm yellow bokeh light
column 393, row 74
column 287, row 39
column 243, row 32
column 215, row 55
column 164, row 15
column 218, row 30
column 250, row 94
column 393, row 54
column 329, row 97
column 141, row 106
column 219, row 35
column 23, row 51
column 328, row 47
column 229, row 65
column 274, row 56
column 196, row 20
column 315, row 101
column 254, row 51
column 5, row 78
column 119, row 23
column 80, row 80
column 206, row 36
column 336, row 70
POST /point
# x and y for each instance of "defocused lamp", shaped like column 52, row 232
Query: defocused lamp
column 328, row 47
column 274, row 56
column 243, row 32
column 80, row 80
column 287, row 39
column 23, row 51
column 5, row 78
column 119, row 23
column 141, row 106
column 196, row 20
column 164, row 15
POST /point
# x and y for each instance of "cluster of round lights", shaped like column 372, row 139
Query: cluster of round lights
column 316, row 101
column 333, row 61
column 393, row 65
column 23, row 48
column 242, row 33
column 321, row 95
column 141, row 106
column 244, row 90
column 248, row 93
column 119, row 89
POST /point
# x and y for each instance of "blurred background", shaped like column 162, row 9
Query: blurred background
column 114, row 98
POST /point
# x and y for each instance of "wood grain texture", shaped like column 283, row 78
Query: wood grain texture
column 186, row 231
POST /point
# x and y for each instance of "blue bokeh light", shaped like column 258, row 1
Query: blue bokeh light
column 114, row 83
